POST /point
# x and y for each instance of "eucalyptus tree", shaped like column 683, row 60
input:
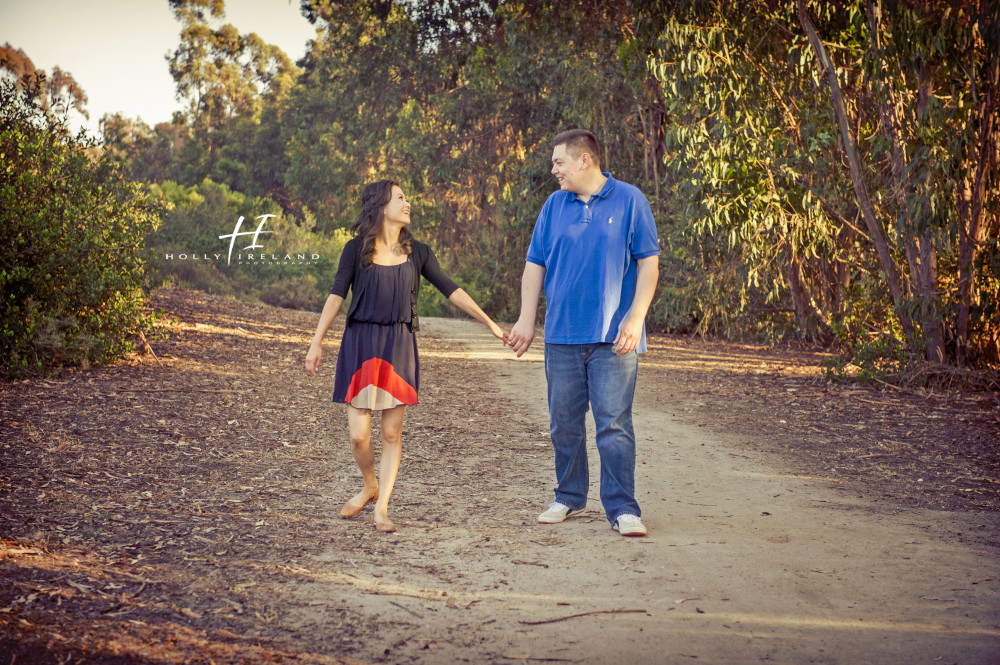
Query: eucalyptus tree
column 363, row 73
column 928, row 90
column 222, row 74
column 766, row 244
column 836, row 165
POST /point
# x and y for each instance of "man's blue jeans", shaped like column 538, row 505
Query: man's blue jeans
column 582, row 374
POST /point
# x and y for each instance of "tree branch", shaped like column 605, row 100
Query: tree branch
column 857, row 178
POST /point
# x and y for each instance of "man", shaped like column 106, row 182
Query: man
column 595, row 251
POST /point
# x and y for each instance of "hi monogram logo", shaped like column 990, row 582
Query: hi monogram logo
column 236, row 233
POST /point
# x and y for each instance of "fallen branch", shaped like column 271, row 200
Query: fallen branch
column 405, row 609
column 379, row 592
column 877, row 403
column 149, row 349
column 173, row 390
column 530, row 563
column 582, row 614
column 17, row 550
column 902, row 390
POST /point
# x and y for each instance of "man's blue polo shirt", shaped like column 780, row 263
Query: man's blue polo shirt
column 589, row 250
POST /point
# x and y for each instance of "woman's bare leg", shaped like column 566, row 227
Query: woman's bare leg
column 360, row 423
column 392, row 452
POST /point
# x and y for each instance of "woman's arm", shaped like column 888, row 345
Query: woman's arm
column 330, row 310
column 431, row 269
column 346, row 268
column 464, row 302
column 341, row 284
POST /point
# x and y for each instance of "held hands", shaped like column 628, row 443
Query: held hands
column 498, row 332
column 521, row 336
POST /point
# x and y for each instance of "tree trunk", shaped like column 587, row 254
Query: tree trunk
column 971, row 230
column 922, row 258
column 857, row 178
column 805, row 316
column 645, row 141
column 845, row 238
column 920, row 252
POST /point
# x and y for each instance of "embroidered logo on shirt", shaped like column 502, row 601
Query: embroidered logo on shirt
column 611, row 220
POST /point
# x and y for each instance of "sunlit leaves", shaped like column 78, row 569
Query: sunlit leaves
column 73, row 229
column 734, row 102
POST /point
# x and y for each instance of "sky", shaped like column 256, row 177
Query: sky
column 115, row 48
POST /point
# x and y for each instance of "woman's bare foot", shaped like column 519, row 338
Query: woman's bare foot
column 358, row 502
column 381, row 520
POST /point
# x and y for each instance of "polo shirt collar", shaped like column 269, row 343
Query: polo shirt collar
column 609, row 185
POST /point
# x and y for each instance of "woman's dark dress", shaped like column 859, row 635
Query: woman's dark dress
column 377, row 367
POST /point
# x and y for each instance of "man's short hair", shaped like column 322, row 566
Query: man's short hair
column 577, row 142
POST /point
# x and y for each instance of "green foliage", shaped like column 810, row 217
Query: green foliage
column 759, row 243
column 768, row 227
column 73, row 231
column 881, row 358
column 717, row 111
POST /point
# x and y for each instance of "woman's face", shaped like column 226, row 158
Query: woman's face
column 397, row 210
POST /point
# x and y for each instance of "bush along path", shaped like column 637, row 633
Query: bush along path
column 184, row 507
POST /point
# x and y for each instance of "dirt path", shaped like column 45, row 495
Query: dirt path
column 184, row 509
column 744, row 563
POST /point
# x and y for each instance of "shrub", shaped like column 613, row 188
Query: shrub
column 72, row 228
column 298, row 292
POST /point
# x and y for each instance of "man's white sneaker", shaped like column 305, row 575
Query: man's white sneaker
column 556, row 513
column 629, row 525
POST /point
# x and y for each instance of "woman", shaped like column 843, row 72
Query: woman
column 377, row 366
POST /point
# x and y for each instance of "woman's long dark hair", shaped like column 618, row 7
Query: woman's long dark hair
column 374, row 198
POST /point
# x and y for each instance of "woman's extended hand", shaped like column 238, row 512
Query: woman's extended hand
column 498, row 332
column 464, row 302
column 312, row 359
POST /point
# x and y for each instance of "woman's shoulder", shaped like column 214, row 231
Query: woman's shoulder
column 421, row 250
column 352, row 246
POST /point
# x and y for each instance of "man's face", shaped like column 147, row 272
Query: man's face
column 567, row 169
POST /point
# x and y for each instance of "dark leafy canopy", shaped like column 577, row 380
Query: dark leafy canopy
column 73, row 231
column 443, row 26
column 719, row 111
